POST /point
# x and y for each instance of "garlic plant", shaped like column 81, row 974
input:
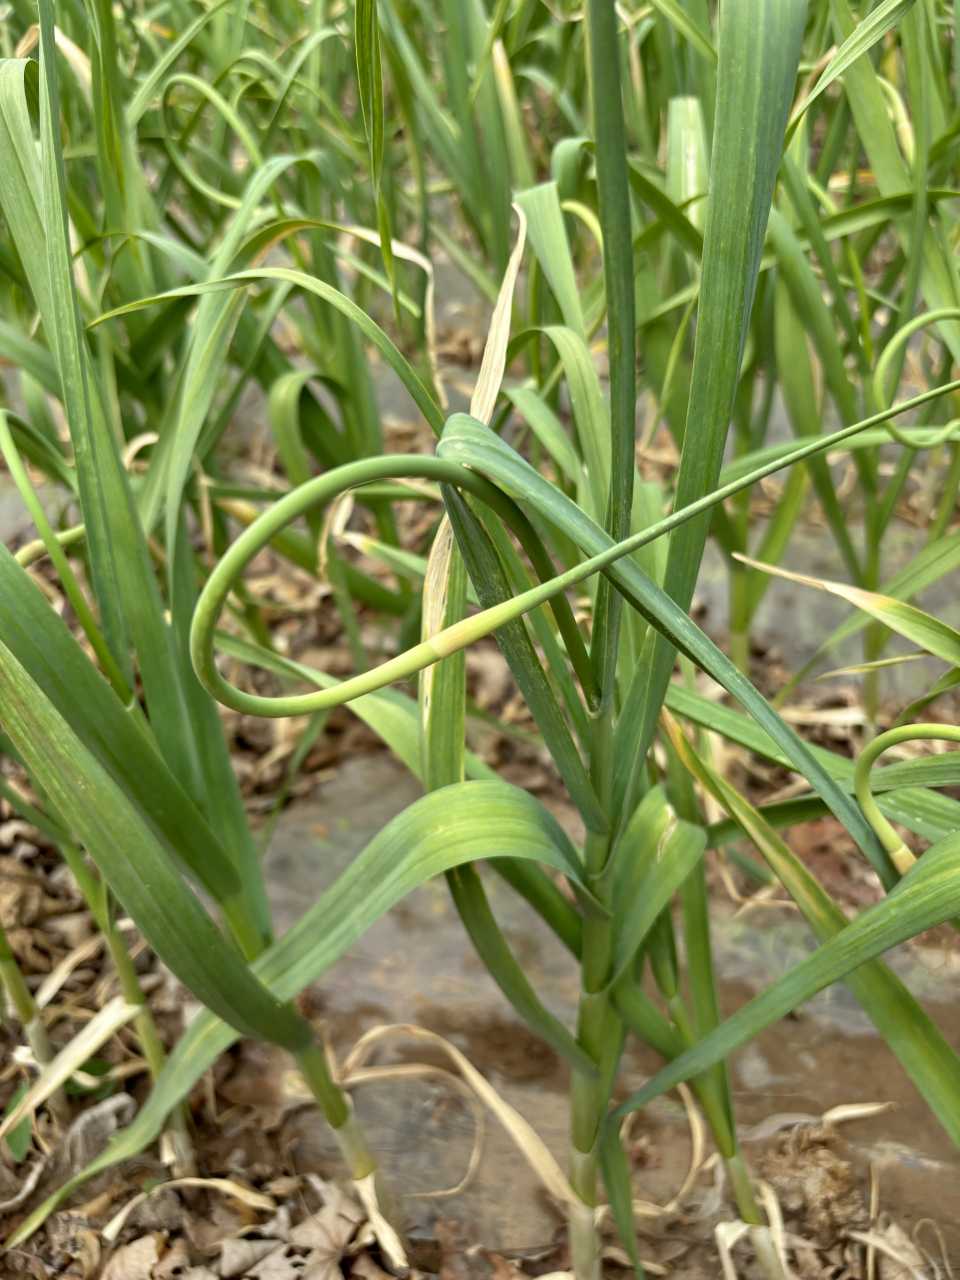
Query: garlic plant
column 167, row 218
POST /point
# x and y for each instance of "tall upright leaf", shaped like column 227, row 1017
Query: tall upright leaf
column 759, row 52
column 613, row 189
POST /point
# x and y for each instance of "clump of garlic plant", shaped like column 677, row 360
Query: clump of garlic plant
column 830, row 297
column 179, row 279
column 124, row 750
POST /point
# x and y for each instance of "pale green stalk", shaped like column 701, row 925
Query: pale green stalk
column 325, row 488
column 903, row 858
column 28, row 1015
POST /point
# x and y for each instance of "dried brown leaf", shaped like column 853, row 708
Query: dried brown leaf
column 237, row 1257
column 174, row 1261
column 134, row 1261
